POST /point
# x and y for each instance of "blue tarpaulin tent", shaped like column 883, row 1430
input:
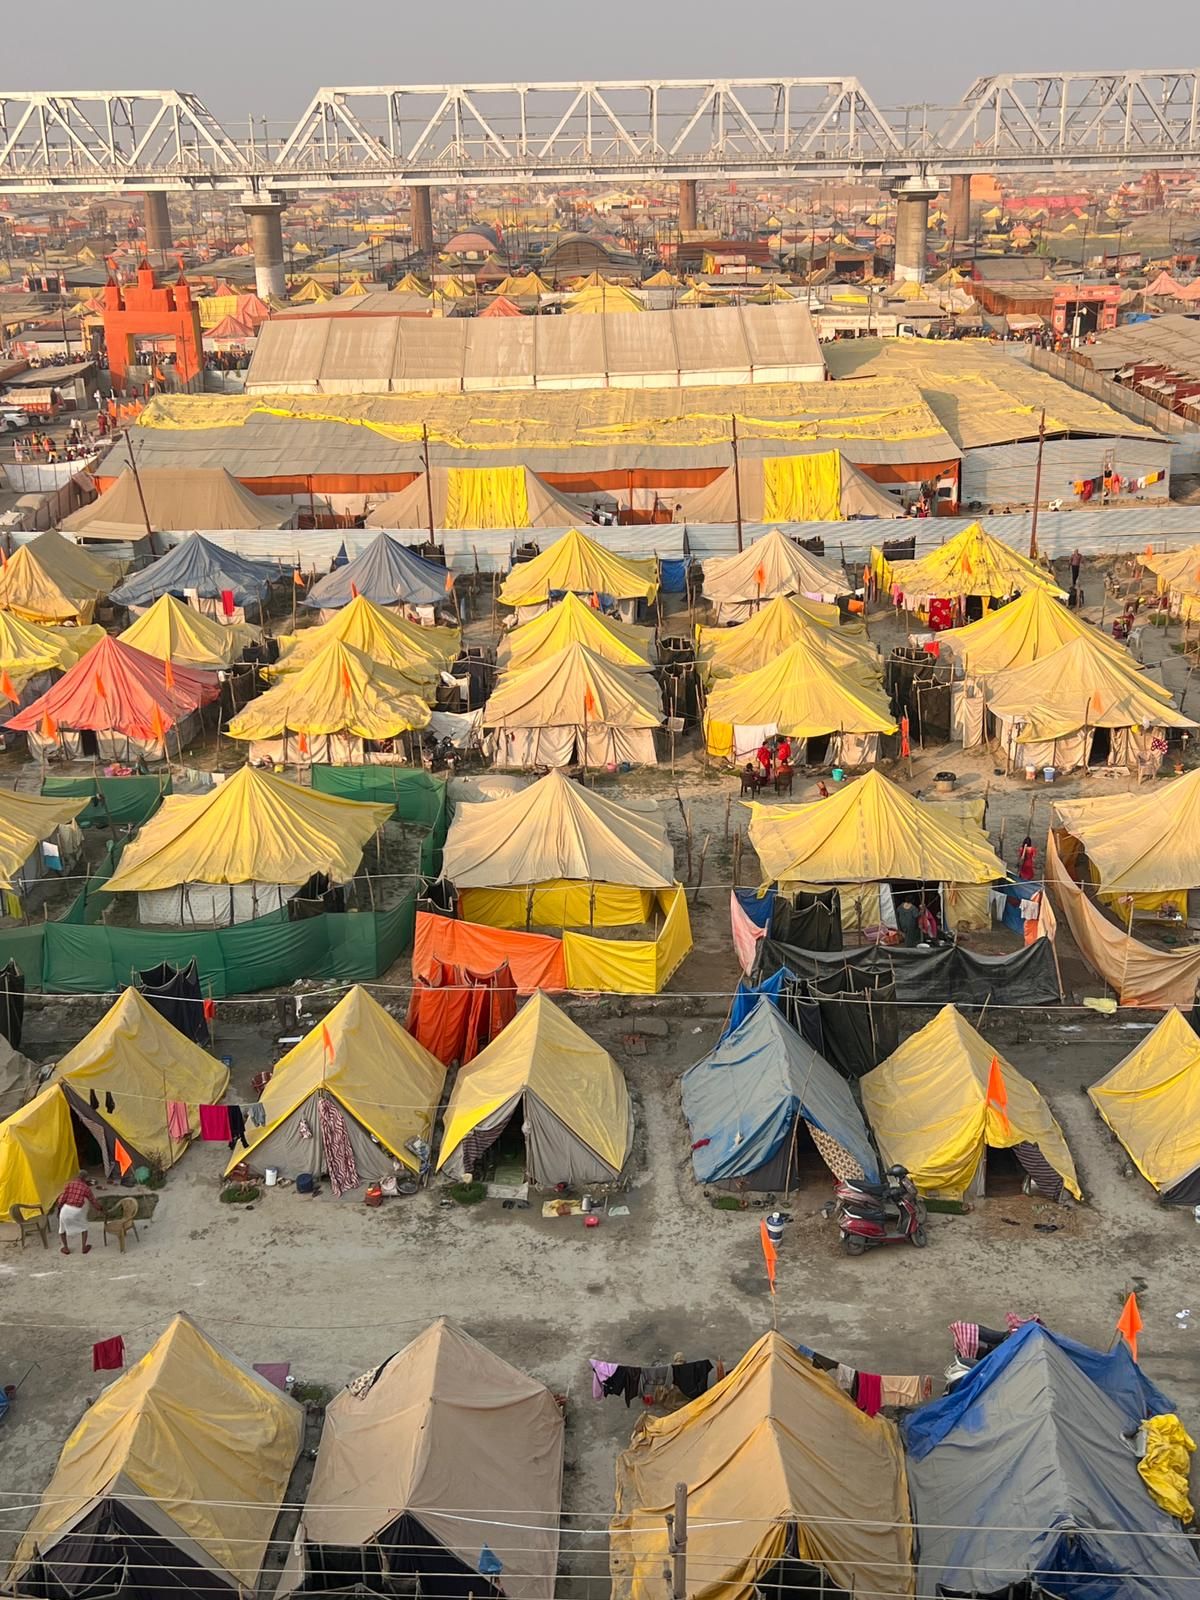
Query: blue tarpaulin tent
column 197, row 565
column 386, row 572
column 742, row 1100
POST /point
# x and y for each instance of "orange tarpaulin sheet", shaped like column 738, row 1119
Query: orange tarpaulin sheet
column 454, row 1012
column 535, row 961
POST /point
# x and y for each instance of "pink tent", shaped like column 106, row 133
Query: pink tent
column 502, row 306
column 230, row 328
column 1164, row 284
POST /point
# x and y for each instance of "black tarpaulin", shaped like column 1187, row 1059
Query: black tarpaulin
column 175, row 995
column 808, row 921
column 12, row 1003
column 935, row 976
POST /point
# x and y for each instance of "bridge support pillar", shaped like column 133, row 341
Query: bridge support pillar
column 156, row 214
column 420, row 201
column 912, row 196
column 958, row 213
column 688, row 209
column 266, row 237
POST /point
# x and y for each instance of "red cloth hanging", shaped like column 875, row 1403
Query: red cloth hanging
column 108, row 1355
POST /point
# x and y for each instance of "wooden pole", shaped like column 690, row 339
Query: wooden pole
column 677, row 1534
column 137, row 478
column 1037, row 487
column 737, row 479
column 428, row 480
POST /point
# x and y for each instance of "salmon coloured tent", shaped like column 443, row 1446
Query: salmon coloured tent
column 573, row 706
column 476, row 497
column 578, row 565
column 573, row 621
column 732, row 652
column 1151, row 1102
column 935, row 1109
column 740, row 584
column 173, row 631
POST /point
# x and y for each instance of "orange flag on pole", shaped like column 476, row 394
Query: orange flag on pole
column 589, row 703
column 997, row 1094
column 347, row 686
column 303, row 744
column 6, row 687
column 122, row 1157
column 157, row 726
column 327, row 1041
column 449, row 583
column 353, row 590
column 1130, row 1324
column 760, row 575
column 168, row 673
column 770, row 1254
column 49, row 728
column 100, row 689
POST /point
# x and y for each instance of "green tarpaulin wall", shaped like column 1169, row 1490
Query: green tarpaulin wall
column 417, row 796
column 123, row 802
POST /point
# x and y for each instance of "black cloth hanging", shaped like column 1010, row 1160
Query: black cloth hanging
column 93, row 1100
column 237, row 1127
column 626, row 1381
column 691, row 1377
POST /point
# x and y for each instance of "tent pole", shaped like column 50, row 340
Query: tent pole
column 737, row 478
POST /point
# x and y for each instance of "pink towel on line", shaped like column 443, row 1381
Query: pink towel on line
column 177, row 1120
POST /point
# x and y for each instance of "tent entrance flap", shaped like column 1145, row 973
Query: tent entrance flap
column 404, row 1558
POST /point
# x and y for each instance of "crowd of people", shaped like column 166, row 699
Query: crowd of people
column 80, row 444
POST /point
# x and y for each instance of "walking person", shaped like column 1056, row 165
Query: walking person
column 1026, row 860
column 1076, row 564
column 73, row 1205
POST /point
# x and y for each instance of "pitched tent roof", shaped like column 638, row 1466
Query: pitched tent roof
column 178, row 499
column 376, row 1071
column 195, row 563
column 116, row 686
column 763, row 637
column 28, row 648
column 382, row 634
column 742, row 1100
column 1151, row 1101
column 556, row 829
column 444, row 1410
column 928, row 1104
column 554, row 693
column 1032, row 626
column 973, row 562
column 175, row 632
column 341, row 690
column 256, row 827
column 771, row 565
column 40, row 586
column 134, row 1054
column 476, row 497
column 822, row 486
column 775, row 1445
column 502, row 306
column 387, row 573
column 38, row 1155
column 868, row 831
column 602, row 298
column 1022, row 1473
column 1175, row 569
column 193, row 1447
column 27, row 819
column 579, row 565
column 572, row 621
column 800, row 695
column 576, row 1105
column 1140, row 843
column 71, row 565
column 229, row 328
column 1080, row 685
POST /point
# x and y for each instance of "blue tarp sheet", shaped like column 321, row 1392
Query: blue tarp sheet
column 387, row 573
column 196, row 563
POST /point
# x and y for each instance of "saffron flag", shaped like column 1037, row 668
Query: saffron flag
column 1130, row 1324
column 760, row 575
column 49, row 728
column 303, row 744
column 353, row 590
column 327, row 1041
column 6, row 687
column 168, row 674
column 770, row 1254
column 589, row 703
column 298, row 578
column 347, row 686
column 449, row 582
column 157, row 726
column 100, row 689
column 997, row 1094
column 122, row 1157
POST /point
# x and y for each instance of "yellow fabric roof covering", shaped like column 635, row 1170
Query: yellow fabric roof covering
column 800, row 694
column 178, row 633
column 206, row 1441
column 1151, row 1101
column 52, row 580
column 28, row 648
column 662, row 279
column 310, row 292
column 572, row 621
column 341, row 690
column 973, row 562
column 37, row 1152
column 381, row 633
column 384, row 1077
column 1176, row 569
column 409, row 284
column 1080, row 684
column 543, row 1053
column 597, row 298
column 771, row 565
column 928, row 1106
column 731, row 652
column 254, row 827
column 135, row 1055
column 1033, row 625
column 868, row 831
column 526, row 284
column 556, row 829
column 775, row 1445
column 354, row 290
column 578, row 564
column 573, row 686
column 27, row 819
column 1140, row 843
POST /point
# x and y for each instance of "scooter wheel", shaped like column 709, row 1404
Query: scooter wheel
column 854, row 1245
column 920, row 1238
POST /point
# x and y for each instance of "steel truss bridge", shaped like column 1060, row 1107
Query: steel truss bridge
column 621, row 132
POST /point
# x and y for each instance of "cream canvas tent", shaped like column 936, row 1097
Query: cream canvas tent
column 178, row 633
column 576, row 1119
column 243, row 848
column 573, row 621
column 1144, row 843
column 576, row 564
column 732, row 652
column 476, row 497
column 1151, row 1101
column 936, row 1108
column 443, row 1411
column 356, row 1099
column 177, row 500
column 740, row 584
column 821, row 487
column 778, row 1462
column 1033, row 625
column 170, row 1483
column 573, row 706
column 26, row 820
column 379, row 632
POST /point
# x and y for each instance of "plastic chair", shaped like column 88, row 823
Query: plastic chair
column 31, row 1219
column 122, row 1221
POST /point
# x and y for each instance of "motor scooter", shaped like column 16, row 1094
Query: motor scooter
column 870, row 1214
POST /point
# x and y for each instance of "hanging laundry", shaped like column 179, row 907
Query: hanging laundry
column 256, row 1113
column 93, row 1100
column 868, row 1395
column 691, row 1377
column 110, row 1105
column 178, row 1122
column 905, row 1391
column 214, row 1124
column 303, row 1129
column 339, row 1153
column 625, row 1381
column 237, row 1128
column 108, row 1355
column 601, row 1371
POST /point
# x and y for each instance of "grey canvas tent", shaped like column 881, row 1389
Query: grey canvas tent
column 387, row 573
column 197, row 567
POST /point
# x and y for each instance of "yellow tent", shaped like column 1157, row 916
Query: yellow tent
column 929, row 1106
column 662, row 279
column 383, row 1079
column 1030, row 627
column 732, row 652
column 579, row 565
column 527, row 284
column 310, row 292
column 1151, row 1101
column 795, row 694
column 574, row 705
column 196, row 1446
column 137, row 1057
column 1177, row 570
column 1140, row 843
column 176, row 632
column 577, row 1115
column 379, row 632
column 354, row 290
column 340, row 691
column 772, row 565
column 1081, row 685
column 453, row 289
column 909, row 290
column 37, row 1152
column 28, row 648
column 409, row 284
column 256, row 827
column 27, row 819
column 573, row 621
column 775, row 1451
column 867, row 832
column 39, row 586
column 973, row 562
column 603, row 298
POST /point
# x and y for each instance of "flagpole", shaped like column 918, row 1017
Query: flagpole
column 1037, row 487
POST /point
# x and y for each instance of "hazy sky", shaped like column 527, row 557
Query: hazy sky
column 269, row 55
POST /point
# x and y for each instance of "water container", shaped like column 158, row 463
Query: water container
column 775, row 1226
column 271, row 1177
column 1048, row 774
